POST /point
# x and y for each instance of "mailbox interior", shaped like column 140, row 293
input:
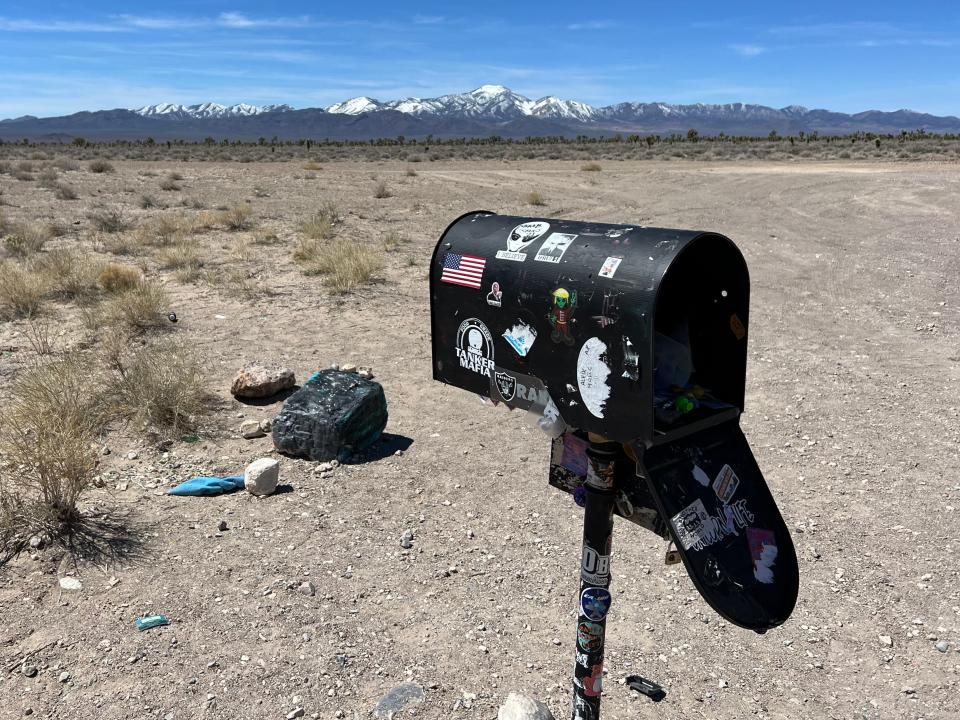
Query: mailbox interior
column 701, row 311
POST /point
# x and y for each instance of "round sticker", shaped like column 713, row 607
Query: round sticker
column 592, row 373
column 475, row 347
column 589, row 636
column 594, row 603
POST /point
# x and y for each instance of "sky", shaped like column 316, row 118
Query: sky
column 62, row 57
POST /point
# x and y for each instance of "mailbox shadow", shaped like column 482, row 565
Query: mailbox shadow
column 387, row 445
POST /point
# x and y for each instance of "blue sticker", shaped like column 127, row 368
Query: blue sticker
column 594, row 603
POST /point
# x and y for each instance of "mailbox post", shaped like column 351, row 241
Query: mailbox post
column 630, row 344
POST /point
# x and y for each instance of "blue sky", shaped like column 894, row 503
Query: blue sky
column 61, row 57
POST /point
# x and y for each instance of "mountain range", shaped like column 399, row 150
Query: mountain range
column 488, row 110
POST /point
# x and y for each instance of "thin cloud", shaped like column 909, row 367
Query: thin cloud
column 591, row 25
column 63, row 26
column 429, row 20
column 748, row 51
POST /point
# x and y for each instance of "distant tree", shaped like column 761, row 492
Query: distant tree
column 79, row 141
column 692, row 135
column 774, row 135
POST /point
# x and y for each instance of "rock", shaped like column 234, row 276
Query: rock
column 250, row 429
column 523, row 707
column 258, row 380
column 36, row 542
column 266, row 425
column 885, row 640
column 70, row 583
column 64, row 677
column 365, row 372
column 222, row 526
column 295, row 713
column 333, row 414
column 28, row 669
column 308, row 588
column 942, row 646
column 133, row 455
column 261, row 476
column 348, row 367
column 406, row 540
column 397, row 699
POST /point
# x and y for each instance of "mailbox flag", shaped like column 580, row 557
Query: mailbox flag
column 464, row 270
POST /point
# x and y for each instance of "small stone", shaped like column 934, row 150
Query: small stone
column 250, row 429
column 222, row 526
column 257, row 380
column 36, row 542
column 266, row 425
column 261, row 476
column 64, row 676
column 295, row 713
column 122, row 487
column 133, row 455
column 721, row 683
column 308, row 588
column 406, row 540
column 885, row 640
column 28, row 669
column 324, row 467
column 397, row 699
column 942, row 646
column 71, row 583
column 334, row 463
column 348, row 367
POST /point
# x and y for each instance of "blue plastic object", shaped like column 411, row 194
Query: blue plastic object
column 204, row 485
column 151, row 621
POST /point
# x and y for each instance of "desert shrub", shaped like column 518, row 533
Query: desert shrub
column 25, row 166
column 48, row 178
column 100, row 166
column 345, row 264
column 313, row 166
column 26, row 240
column 23, row 176
column 261, row 192
column 159, row 385
column 118, row 277
column 169, row 183
column 174, row 175
column 534, row 198
column 21, row 291
column 108, row 220
column 321, row 224
column 62, row 191
column 266, row 236
column 411, row 172
column 236, row 217
column 39, row 333
column 147, row 201
column 140, row 308
column 70, row 275
column 591, row 167
column 66, row 164
column 162, row 231
column 381, row 190
column 50, row 423
column 392, row 241
column 178, row 257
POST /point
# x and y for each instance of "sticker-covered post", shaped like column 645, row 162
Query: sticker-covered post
column 594, row 596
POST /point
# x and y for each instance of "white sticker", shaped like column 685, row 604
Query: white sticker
column 763, row 567
column 475, row 347
column 595, row 568
column 554, row 247
column 521, row 337
column 610, row 266
column 700, row 476
column 691, row 523
column 592, row 373
column 520, row 238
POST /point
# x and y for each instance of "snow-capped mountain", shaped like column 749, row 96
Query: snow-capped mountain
column 206, row 110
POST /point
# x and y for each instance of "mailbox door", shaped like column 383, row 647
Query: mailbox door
column 726, row 525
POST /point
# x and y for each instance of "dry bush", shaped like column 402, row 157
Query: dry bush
column 205, row 220
column 27, row 240
column 116, row 244
column 266, row 236
column 100, row 166
column 108, row 220
column 241, row 249
column 23, row 176
column 174, row 175
column 21, row 291
column 48, row 178
column 346, row 265
column 142, row 307
column 69, row 275
column 178, row 257
column 66, row 164
column 411, row 172
column 51, row 423
column 321, row 224
column 261, row 192
column 62, row 191
column 117, row 277
column 237, row 217
column 39, row 333
column 591, row 167
column 162, row 231
column 534, row 198
column 240, row 284
column 25, row 166
column 159, row 385
column 313, row 166
column 170, row 183
column 147, row 202
column 381, row 190
column 392, row 241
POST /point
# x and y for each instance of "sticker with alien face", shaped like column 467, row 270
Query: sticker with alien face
column 520, row 238
column 475, row 347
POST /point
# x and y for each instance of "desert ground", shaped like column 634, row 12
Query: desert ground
column 852, row 410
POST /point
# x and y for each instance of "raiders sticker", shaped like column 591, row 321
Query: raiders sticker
column 506, row 384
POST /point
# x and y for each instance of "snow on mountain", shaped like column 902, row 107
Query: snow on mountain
column 553, row 107
column 355, row 106
column 206, row 110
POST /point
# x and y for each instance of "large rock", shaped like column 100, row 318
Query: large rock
column 523, row 707
column 333, row 415
column 261, row 476
column 257, row 380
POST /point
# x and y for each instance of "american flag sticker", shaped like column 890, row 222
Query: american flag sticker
column 466, row 270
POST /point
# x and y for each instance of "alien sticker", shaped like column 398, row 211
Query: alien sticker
column 564, row 303
column 520, row 238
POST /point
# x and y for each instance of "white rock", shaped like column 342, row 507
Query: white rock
column 250, row 429
column 523, row 707
column 348, row 367
column 308, row 588
column 261, row 476
column 885, row 640
column 70, row 583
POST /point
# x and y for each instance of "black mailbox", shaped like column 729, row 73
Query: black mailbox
column 633, row 342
